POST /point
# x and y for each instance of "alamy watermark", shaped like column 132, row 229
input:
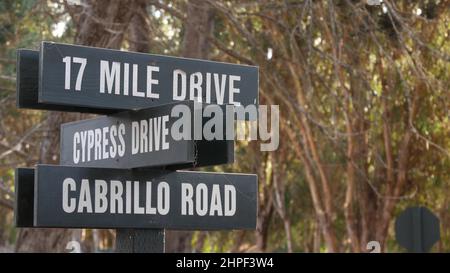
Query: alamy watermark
column 226, row 122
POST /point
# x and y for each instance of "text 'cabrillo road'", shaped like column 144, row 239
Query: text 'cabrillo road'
column 110, row 198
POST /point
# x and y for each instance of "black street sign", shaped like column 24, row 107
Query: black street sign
column 144, row 138
column 100, row 78
column 73, row 197
column 417, row 229
column 24, row 197
column 27, row 87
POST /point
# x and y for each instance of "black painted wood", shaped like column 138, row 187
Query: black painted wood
column 27, row 87
column 52, row 84
column 41, row 84
column 24, row 197
column 53, row 87
column 140, row 240
column 181, row 153
column 49, row 210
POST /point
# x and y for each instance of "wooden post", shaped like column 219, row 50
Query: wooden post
column 140, row 241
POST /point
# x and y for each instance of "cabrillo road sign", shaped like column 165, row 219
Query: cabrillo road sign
column 145, row 138
column 75, row 197
column 97, row 78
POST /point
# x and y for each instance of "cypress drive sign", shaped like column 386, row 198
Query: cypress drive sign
column 124, row 170
column 146, row 138
column 97, row 80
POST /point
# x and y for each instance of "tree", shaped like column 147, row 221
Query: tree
column 341, row 71
column 362, row 90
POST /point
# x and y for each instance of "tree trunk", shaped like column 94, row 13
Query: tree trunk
column 279, row 200
column 262, row 227
column 199, row 25
column 139, row 31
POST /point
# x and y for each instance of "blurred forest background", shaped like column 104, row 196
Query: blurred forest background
column 364, row 98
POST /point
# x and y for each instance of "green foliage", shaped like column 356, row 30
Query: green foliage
column 385, row 63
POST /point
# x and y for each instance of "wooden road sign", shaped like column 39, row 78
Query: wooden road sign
column 27, row 87
column 88, row 79
column 74, row 197
column 143, row 138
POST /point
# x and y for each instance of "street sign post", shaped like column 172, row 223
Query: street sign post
column 122, row 170
column 417, row 229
